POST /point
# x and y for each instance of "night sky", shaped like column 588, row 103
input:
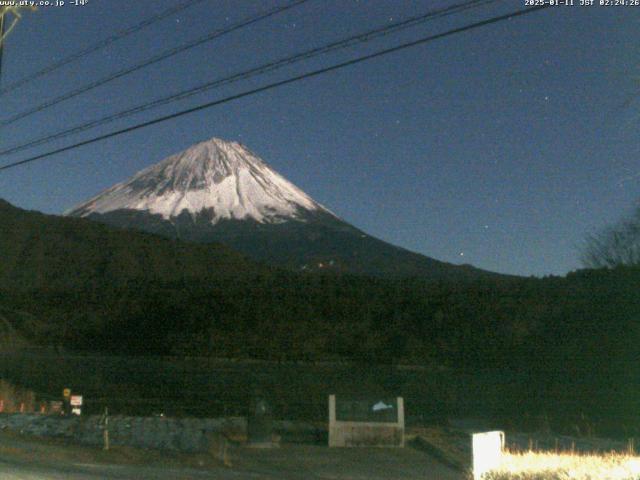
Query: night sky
column 502, row 147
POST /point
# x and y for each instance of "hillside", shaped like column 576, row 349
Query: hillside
column 321, row 244
column 53, row 253
column 86, row 285
column 555, row 345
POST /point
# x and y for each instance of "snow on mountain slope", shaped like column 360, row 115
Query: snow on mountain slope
column 222, row 177
column 220, row 192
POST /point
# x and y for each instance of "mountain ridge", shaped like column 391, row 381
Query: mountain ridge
column 219, row 191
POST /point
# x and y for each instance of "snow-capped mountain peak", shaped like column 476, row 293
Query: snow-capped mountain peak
column 223, row 178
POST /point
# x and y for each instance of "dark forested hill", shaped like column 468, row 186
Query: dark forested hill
column 84, row 286
column 47, row 252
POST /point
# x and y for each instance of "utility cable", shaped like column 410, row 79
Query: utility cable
column 150, row 61
column 262, row 69
column 99, row 45
column 271, row 86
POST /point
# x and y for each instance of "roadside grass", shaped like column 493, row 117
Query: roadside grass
column 566, row 466
column 596, row 459
column 14, row 399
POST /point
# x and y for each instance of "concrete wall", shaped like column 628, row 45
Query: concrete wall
column 365, row 434
column 183, row 435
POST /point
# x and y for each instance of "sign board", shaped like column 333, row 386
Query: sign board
column 66, row 393
column 366, row 422
column 76, row 401
column 375, row 410
column 487, row 450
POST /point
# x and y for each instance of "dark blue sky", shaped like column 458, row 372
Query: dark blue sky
column 501, row 147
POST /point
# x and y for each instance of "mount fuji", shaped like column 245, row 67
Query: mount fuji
column 219, row 191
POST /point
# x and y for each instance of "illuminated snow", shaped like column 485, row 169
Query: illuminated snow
column 224, row 177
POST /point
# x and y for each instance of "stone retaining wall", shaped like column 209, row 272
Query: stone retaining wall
column 184, row 434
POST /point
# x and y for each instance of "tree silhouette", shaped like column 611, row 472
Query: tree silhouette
column 615, row 245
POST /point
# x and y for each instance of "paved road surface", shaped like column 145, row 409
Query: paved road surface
column 286, row 463
column 10, row 470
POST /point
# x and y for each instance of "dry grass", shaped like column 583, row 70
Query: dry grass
column 566, row 466
column 15, row 399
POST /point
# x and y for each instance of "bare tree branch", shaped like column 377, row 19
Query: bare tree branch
column 616, row 245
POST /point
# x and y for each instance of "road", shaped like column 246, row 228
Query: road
column 289, row 462
column 12, row 470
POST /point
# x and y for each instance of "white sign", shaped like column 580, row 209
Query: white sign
column 76, row 400
column 487, row 452
column 381, row 406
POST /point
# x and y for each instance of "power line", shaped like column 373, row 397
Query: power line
column 99, row 45
column 262, row 69
column 288, row 81
column 155, row 59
